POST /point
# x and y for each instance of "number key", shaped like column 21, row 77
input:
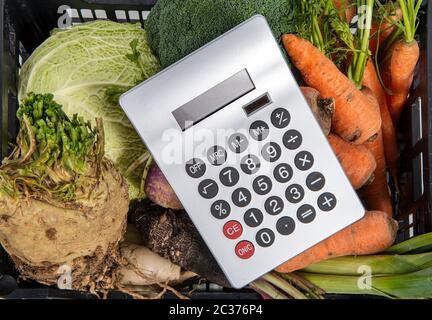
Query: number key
column 229, row 176
column 294, row 193
column 274, row 205
column 265, row 237
column 262, row 185
column 283, row 173
column 250, row 164
column 241, row 197
column 253, row 217
column 271, row 152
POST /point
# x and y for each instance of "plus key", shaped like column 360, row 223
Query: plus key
column 327, row 201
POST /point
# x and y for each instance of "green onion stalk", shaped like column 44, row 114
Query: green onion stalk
column 402, row 271
column 54, row 156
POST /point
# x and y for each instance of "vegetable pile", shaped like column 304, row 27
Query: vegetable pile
column 66, row 187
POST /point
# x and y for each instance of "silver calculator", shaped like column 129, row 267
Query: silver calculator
column 231, row 131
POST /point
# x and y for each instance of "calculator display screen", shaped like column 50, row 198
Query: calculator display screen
column 214, row 99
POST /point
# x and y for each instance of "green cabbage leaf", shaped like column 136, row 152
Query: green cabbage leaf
column 86, row 68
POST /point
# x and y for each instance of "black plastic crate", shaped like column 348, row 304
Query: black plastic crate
column 25, row 24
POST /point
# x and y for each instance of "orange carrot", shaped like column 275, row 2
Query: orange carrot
column 398, row 73
column 357, row 161
column 381, row 30
column 355, row 119
column 391, row 148
column 349, row 9
column 375, row 232
column 376, row 194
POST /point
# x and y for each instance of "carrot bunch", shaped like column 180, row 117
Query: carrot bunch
column 369, row 93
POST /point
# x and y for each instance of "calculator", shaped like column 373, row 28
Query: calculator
column 231, row 131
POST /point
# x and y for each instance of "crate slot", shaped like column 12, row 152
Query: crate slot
column 145, row 15
column 101, row 14
column 134, row 16
column 87, row 14
column 410, row 222
column 416, row 121
column 121, row 15
column 417, row 177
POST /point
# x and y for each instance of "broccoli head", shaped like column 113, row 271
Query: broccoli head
column 178, row 27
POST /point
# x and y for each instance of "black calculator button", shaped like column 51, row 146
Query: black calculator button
column 306, row 213
column 271, row 152
column 250, row 164
column 274, row 205
column 292, row 139
column 283, row 173
column 262, row 185
column 241, row 197
column 253, row 217
column 216, row 155
column 259, row 130
column 304, row 160
column 280, row 118
column 208, row 189
column 265, row 237
column 238, row 143
column 195, row 168
column 285, row 226
column 294, row 193
column 220, row 209
column 327, row 201
column 315, row 181
column 229, row 176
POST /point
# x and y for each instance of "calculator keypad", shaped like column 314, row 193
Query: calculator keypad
column 284, row 221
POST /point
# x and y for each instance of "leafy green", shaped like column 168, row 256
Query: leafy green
column 52, row 151
column 86, row 68
column 178, row 27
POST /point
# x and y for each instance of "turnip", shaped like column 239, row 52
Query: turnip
column 63, row 205
column 159, row 190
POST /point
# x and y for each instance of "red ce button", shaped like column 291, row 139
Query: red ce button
column 232, row 229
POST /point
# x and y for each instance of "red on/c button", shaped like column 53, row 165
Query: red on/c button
column 232, row 229
column 244, row 249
